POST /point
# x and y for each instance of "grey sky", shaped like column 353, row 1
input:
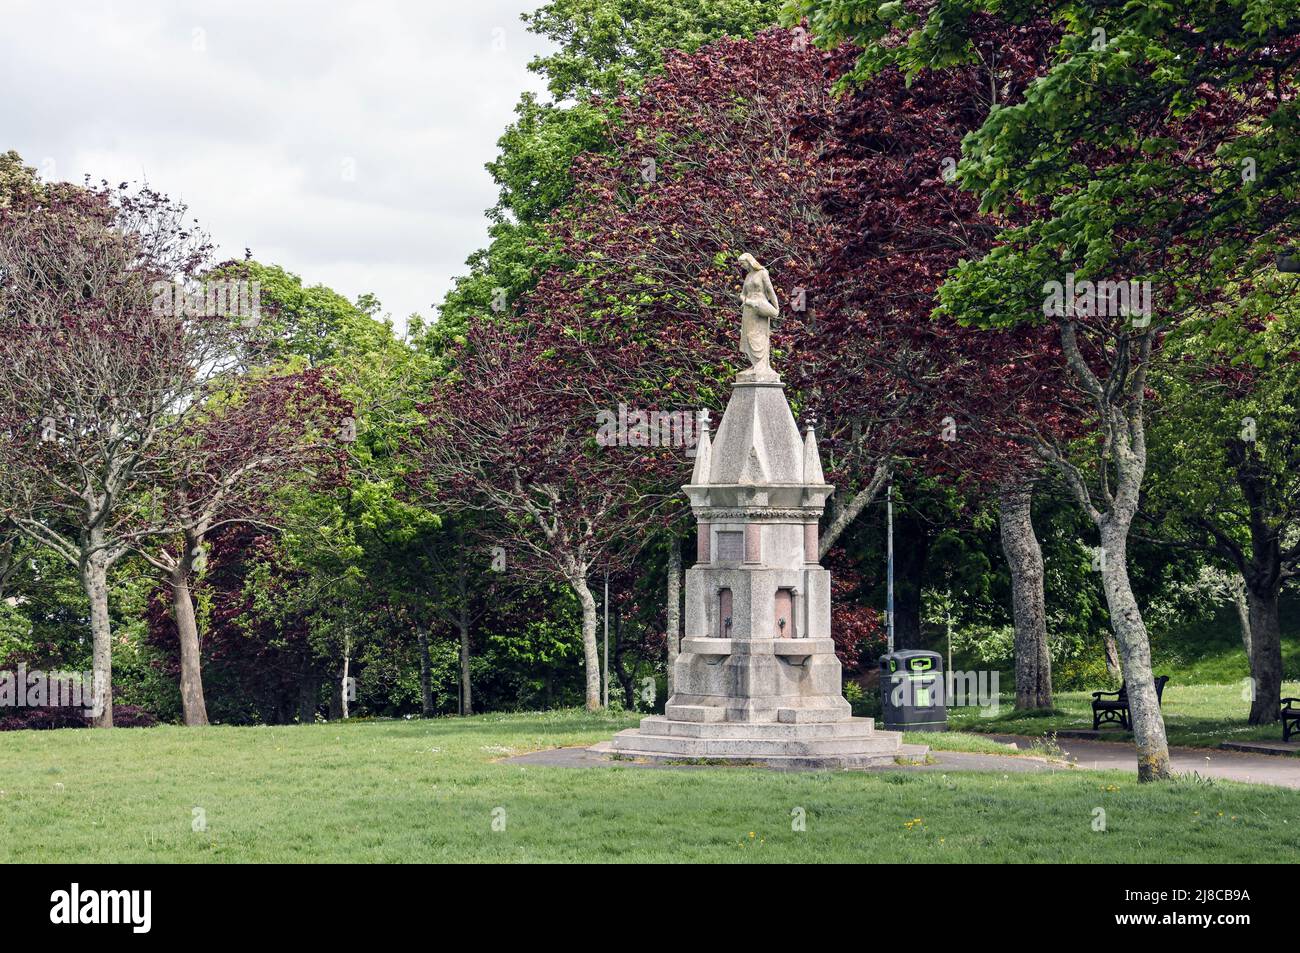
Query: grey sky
column 342, row 140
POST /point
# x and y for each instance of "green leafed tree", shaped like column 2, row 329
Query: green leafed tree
column 1226, row 469
column 1156, row 164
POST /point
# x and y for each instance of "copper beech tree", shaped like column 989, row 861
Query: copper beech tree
column 716, row 157
column 507, row 439
column 643, row 315
column 742, row 147
column 950, row 398
column 727, row 152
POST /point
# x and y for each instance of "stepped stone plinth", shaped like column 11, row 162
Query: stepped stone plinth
column 757, row 679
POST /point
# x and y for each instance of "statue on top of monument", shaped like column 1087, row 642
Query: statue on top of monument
column 759, row 307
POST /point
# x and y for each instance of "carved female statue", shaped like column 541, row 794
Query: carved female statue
column 758, row 308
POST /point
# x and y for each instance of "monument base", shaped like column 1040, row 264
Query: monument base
column 847, row 743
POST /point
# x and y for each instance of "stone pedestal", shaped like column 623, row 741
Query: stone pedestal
column 757, row 680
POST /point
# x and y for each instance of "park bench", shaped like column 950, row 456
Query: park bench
column 1290, row 717
column 1107, row 710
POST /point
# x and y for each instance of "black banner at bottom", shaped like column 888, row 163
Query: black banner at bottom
column 140, row 904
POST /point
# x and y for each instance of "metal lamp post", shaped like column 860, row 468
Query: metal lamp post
column 604, row 689
column 889, row 547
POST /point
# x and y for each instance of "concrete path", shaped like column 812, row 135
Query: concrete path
column 1207, row 762
column 1262, row 747
column 1101, row 755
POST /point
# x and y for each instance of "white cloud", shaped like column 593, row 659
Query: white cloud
column 342, row 140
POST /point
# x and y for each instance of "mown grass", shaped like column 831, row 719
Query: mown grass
column 958, row 741
column 1195, row 715
column 430, row 790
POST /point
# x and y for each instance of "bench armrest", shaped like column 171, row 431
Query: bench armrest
column 1286, row 702
column 1098, row 695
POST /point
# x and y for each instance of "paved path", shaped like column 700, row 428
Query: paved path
column 1207, row 762
column 1108, row 755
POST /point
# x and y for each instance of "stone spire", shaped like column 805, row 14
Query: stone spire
column 703, row 451
column 758, row 441
column 812, row 461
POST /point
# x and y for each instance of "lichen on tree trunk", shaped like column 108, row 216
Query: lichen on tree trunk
column 1112, row 654
column 1135, row 653
column 590, row 653
column 1025, row 561
column 674, row 609
column 94, row 580
column 193, row 705
column 462, row 627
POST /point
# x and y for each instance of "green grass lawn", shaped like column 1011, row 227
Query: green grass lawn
column 1209, row 650
column 382, row 791
column 1195, row 715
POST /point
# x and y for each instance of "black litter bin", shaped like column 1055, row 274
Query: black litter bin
column 911, row 692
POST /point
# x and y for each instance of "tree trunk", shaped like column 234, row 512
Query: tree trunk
column 1265, row 650
column 625, row 678
column 590, row 653
column 1025, row 560
column 426, row 673
column 193, row 705
column 94, row 581
column 844, row 516
column 308, row 691
column 674, row 613
column 8, row 564
column 1112, row 655
column 343, row 681
column 462, row 625
column 336, row 698
column 1263, row 575
column 1134, row 650
column 1126, row 457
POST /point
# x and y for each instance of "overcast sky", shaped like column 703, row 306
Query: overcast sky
column 342, row 140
